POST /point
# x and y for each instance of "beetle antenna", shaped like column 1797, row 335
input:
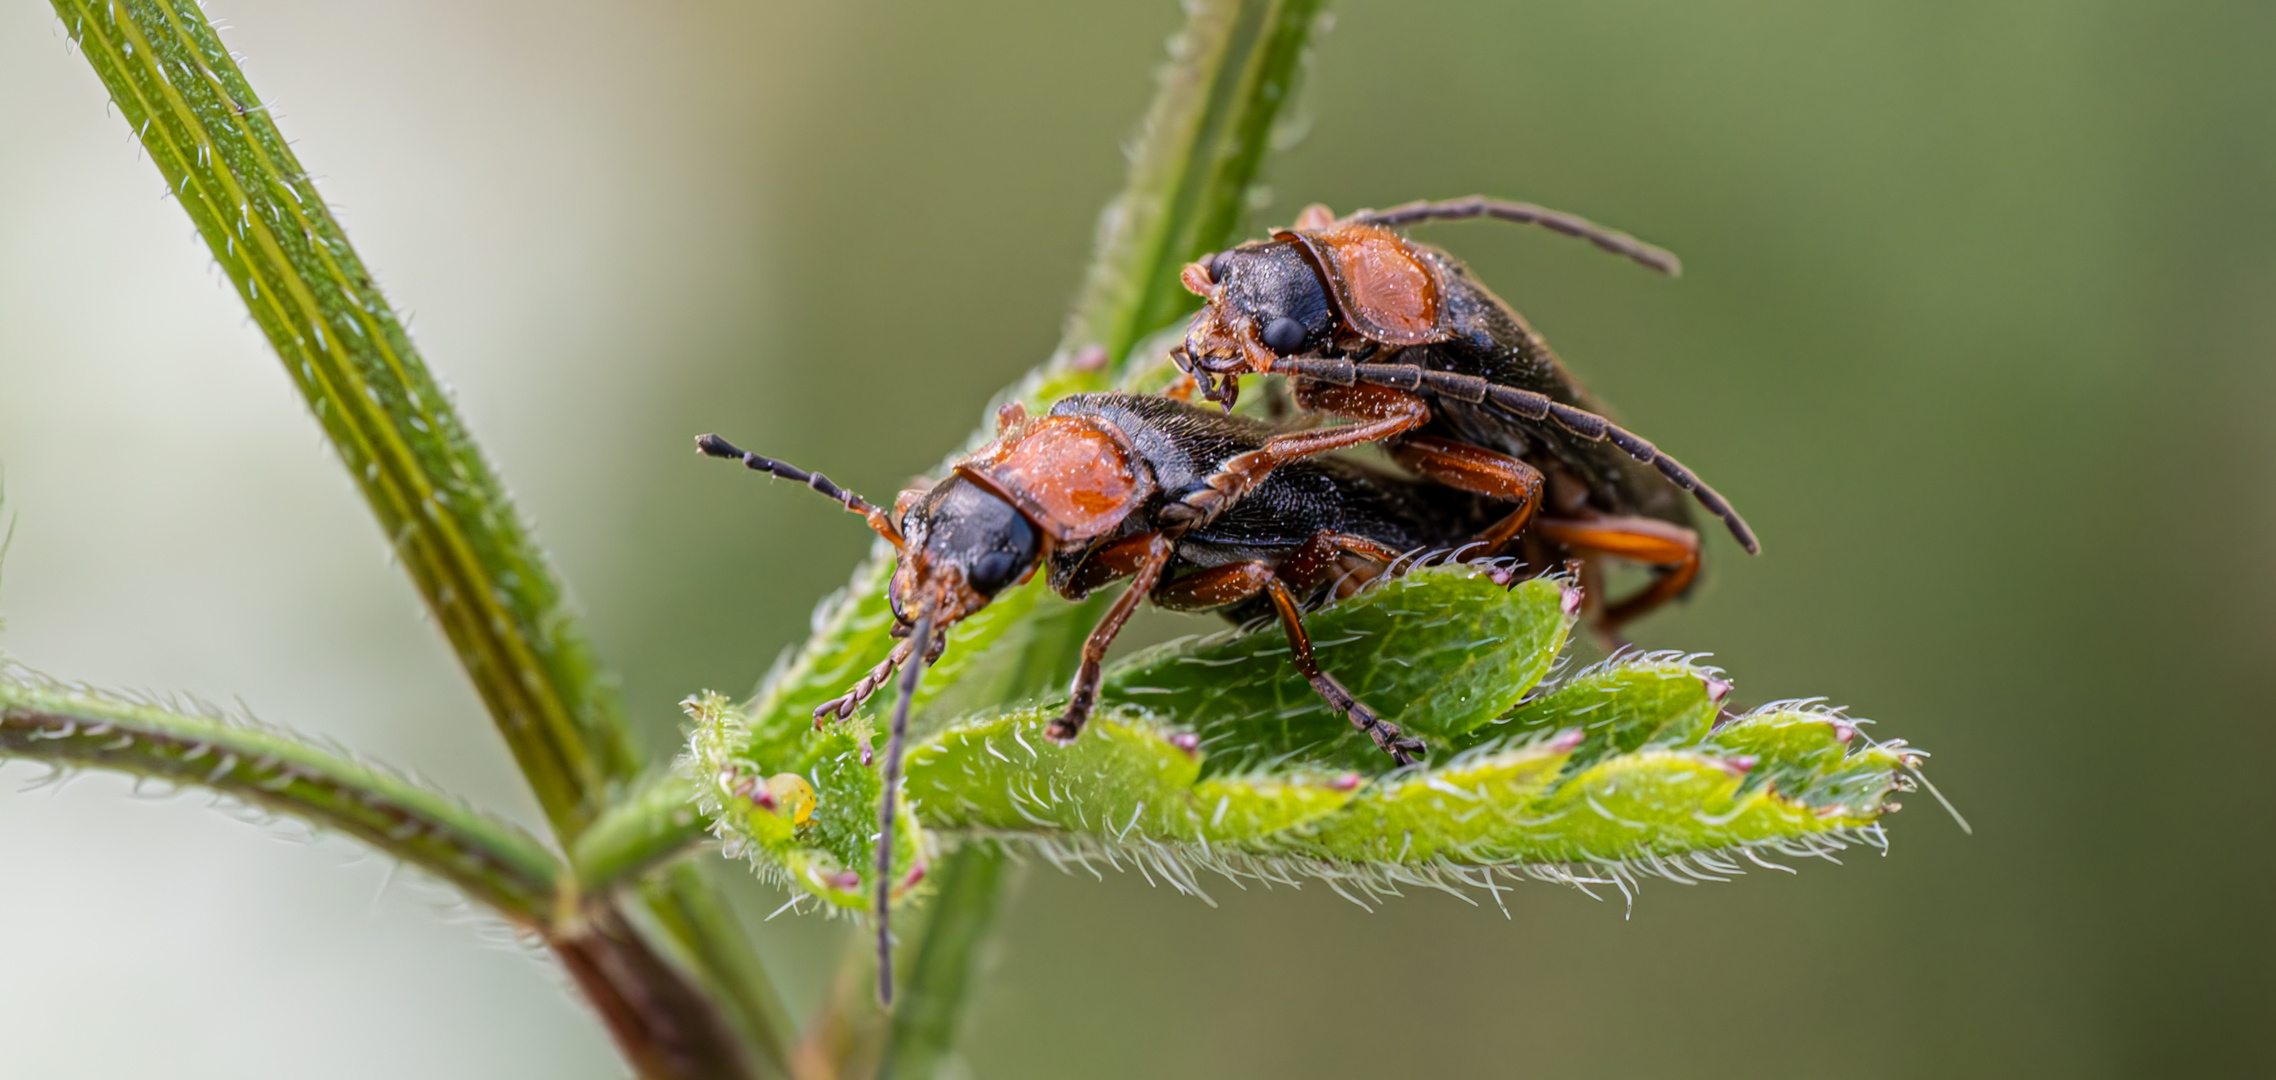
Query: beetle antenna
column 1477, row 206
column 879, row 520
column 911, row 673
column 1531, row 405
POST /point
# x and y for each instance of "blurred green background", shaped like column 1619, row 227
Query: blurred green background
column 1977, row 327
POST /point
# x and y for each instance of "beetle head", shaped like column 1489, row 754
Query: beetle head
column 964, row 545
column 1263, row 301
column 1043, row 484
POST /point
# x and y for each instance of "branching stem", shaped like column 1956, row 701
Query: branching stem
column 439, row 504
column 654, row 824
column 436, row 498
column 493, row 860
column 1232, row 70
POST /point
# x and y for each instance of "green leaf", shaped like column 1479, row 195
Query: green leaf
column 1125, row 777
column 1211, row 754
column 1439, row 652
column 1619, row 706
column 1807, row 755
column 1471, row 811
column 813, row 826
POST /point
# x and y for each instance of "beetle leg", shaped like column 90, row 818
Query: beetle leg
column 1082, row 697
column 1382, row 413
column 1479, row 471
column 1214, row 587
column 1232, row 583
column 1404, row 749
column 1528, row 405
column 1672, row 549
column 1356, row 559
column 1476, row 206
column 843, row 705
column 1117, row 559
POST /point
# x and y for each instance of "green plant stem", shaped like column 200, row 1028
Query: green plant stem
column 1203, row 140
column 647, row 831
column 1232, row 69
column 652, row 825
column 436, row 498
column 668, row 1026
column 693, row 917
column 924, row 1029
column 437, row 501
column 490, row 859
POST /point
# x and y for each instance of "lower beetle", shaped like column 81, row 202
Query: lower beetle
column 1400, row 337
column 1098, row 490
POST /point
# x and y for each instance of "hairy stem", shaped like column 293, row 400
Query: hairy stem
column 669, row 1026
column 1203, row 140
column 695, row 918
column 436, row 499
column 490, row 859
column 438, row 502
column 1232, row 69
column 652, row 825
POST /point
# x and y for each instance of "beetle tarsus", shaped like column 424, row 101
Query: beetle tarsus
column 1404, row 749
column 844, row 705
column 1066, row 727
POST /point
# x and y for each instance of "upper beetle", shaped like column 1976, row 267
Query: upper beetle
column 1401, row 338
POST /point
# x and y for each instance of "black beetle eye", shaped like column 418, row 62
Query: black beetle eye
column 1219, row 264
column 1284, row 335
column 991, row 572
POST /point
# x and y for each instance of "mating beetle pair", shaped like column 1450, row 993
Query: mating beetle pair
column 1204, row 510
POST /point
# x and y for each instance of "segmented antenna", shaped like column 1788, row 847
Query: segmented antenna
column 911, row 673
column 1477, row 206
column 714, row 446
column 1530, row 405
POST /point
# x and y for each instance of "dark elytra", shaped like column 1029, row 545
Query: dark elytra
column 1489, row 378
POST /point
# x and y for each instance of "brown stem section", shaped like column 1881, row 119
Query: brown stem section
column 663, row 1023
